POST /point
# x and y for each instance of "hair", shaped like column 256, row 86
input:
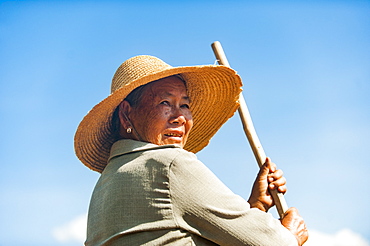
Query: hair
column 135, row 96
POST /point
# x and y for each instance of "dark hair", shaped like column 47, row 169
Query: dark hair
column 135, row 96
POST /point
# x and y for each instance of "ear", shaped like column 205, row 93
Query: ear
column 124, row 110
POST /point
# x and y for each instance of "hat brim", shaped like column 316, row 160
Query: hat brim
column 213, row 91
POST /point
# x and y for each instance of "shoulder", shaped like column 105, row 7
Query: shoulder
column 169, row 153
column 182, row 165
column 170, row 157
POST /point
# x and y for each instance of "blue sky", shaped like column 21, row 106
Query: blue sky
column 306, row 72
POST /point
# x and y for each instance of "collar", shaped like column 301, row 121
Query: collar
column 126, row 146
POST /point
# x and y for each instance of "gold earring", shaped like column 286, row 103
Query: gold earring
column 128, row 130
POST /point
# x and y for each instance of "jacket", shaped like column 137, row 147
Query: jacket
column 163, row 195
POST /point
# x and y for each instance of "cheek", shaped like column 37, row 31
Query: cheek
column 152, row 122
column 189, row 125
column 158, row 115
column 189, row 122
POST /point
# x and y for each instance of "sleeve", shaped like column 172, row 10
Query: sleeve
column 205, row 206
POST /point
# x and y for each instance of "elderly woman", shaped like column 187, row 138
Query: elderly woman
column 153, row 190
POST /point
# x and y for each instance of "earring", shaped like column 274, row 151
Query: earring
column 128, row 130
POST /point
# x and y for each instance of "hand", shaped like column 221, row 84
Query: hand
column 268, row 178
column 296, row 225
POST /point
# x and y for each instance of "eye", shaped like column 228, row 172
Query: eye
column 185, row 106
column 167, row 103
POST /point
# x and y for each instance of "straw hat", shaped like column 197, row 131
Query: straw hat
column 213, row 91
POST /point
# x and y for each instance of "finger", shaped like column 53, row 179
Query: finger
column 282, row 189
column 265, row 168
column 279, row 182
column 302, row 227
column 277, row 174
column 270, row 178
column 280, row 185
column 292, row 211
column 270, row 165
column 302, row 232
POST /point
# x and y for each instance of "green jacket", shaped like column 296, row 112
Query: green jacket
column 163, row 195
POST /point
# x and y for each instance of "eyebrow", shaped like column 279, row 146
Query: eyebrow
column 171, row 95
column 186, row 98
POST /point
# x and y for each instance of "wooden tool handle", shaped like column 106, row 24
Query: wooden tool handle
column 250, row 132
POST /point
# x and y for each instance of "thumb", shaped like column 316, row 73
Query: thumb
column 265, row 168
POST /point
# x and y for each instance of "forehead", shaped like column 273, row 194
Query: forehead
column 171, row 86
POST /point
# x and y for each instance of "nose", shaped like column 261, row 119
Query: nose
column 178, row 117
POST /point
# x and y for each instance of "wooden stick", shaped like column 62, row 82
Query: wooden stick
column 250, row 132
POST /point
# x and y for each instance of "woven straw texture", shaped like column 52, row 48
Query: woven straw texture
column 213, row 91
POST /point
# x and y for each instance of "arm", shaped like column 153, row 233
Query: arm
column 203, row 205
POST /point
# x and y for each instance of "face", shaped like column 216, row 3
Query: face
column 163, row 115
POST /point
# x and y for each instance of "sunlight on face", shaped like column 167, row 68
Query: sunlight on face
column 163, row 115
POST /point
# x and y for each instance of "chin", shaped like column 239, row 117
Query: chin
column 180, row 143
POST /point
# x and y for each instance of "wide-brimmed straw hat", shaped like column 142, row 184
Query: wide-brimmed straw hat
column 213, row 91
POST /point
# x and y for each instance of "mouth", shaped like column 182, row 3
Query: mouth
column 176, row 135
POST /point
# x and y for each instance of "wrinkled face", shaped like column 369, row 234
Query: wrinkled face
column 163, row 115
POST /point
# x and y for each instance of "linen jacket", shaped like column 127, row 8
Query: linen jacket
column 163, row 195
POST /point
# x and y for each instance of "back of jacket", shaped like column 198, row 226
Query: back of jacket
column 163, row 195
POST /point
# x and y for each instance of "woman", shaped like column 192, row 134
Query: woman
column 152, row 189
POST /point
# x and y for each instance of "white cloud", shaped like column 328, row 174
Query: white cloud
column 74, row 231
column 344, row 237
